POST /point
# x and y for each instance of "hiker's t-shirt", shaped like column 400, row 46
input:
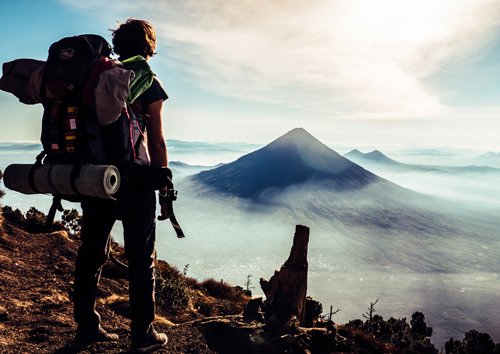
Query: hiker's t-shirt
column 154, row 93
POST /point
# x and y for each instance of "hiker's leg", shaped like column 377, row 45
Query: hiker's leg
column 93, row 252
column 139, row 234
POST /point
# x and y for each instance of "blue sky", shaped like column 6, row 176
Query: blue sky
column 353, row 73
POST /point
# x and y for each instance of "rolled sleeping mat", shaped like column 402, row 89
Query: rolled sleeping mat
column 101, row 181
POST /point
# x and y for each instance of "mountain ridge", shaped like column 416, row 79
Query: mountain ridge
column 376, row 157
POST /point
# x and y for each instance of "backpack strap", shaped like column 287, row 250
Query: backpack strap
column 56, row 205
column 43, row 91
column 31, row 174
column 49, row 172
column 100, row 65
column 138, row 123
column 170, row 197
column 176, row 226
column 31, row 178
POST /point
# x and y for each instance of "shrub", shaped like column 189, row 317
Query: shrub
column 14, row 216
column 217, row 297
column 35, row 220
column 408, row 337
column 474, row 342
column 72, row 220
column 223, row 290
column 477, row 342
column 171, row 289
column 419, row 328
column 453, row 346
column 218, row 289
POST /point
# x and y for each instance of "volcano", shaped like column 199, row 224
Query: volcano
column 293, row 159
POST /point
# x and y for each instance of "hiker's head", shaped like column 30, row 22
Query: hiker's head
column 134, row 37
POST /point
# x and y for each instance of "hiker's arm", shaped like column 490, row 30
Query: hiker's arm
column 158, row 150
column 156, row 141
column 157, row 147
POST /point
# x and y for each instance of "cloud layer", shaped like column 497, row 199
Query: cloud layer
column 335, row 56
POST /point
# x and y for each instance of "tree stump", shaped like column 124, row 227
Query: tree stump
column 286, row 290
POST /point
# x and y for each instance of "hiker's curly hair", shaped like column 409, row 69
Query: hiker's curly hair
column 134, row 37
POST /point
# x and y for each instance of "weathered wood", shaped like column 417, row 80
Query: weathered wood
column 312, row 312
column 286, row 290
column 253, row 310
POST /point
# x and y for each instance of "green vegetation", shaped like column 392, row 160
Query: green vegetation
column 219, row 289
column 14, row 216
column 32, row 221
column 474, row 342
column 171, row 289
column 413, row 337
column 222, row 298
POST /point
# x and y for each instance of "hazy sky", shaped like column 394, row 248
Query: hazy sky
column 352, row 72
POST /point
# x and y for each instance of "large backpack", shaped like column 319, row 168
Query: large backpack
column 71, row 132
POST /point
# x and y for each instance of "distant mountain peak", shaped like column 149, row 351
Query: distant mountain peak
column 354, row 152
column 376, row 154
column 296, row 136
column 299, row 131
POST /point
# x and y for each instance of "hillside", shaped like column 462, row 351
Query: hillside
column 35, row 302
column 207, row 317
column 36, row 306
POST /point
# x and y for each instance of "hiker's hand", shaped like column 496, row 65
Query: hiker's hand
column 166, row 208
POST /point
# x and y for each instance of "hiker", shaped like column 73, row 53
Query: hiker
column 134, row 42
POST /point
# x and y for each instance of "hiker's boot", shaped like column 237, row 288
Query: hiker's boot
column 152, row 341
column 85, row 337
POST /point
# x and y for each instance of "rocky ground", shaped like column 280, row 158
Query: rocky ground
column 36, row 278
